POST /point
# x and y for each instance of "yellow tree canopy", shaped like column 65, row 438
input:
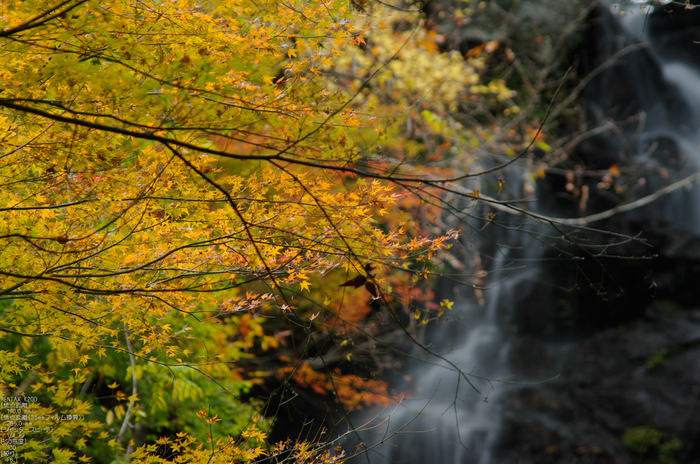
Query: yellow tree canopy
column 158, row 160
column 149, row 160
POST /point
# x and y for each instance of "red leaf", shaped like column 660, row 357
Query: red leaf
column 356, row 282
column 371, row 289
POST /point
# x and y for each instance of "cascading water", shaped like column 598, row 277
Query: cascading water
column 451, row 416
column 648, row 99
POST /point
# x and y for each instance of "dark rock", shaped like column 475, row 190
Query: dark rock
column 676, row 30
column 646, row 373
column 626, row 333
column 625, row 78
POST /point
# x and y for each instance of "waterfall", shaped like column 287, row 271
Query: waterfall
column 452, row 414
column 450, row 418
column 648, row 94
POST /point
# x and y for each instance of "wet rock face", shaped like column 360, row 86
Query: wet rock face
column 625, row 76
column 623, row 334
column 676, row 28
column 572, row 299
column 643, row 374
column 641, row 122
column 629, row 359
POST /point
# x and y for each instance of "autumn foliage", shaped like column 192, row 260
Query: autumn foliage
column 186, row 187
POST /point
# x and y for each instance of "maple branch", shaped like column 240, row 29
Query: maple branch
column 10, row 104
column 24, row 334
column 32, row 208
column 382, row 296
column 623, row 208
column 10, row 290
column 235, row 208
column 32, row 23
column 132, row 400
column 170, row 142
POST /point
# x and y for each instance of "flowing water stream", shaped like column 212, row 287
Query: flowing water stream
column 649, row 96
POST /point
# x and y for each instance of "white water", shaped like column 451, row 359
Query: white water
column 453, row 415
